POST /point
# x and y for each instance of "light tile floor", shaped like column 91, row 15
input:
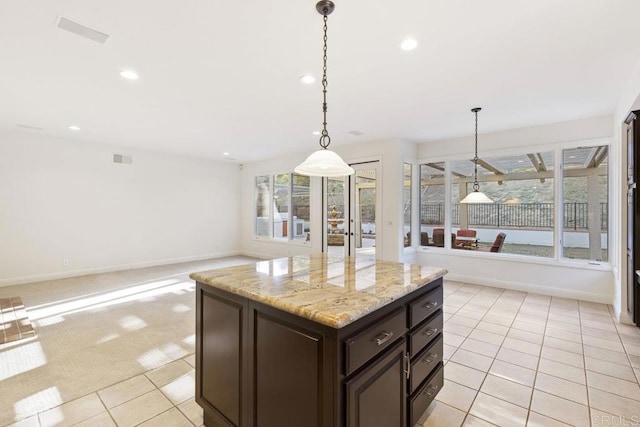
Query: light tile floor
column 516, row 358
column 162, row 397
column 512, row 358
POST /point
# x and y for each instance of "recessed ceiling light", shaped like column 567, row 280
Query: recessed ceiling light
column 74, row 127
column 307, row 79
column 572, row 157
column 409, row 44
column 520, row 161
column 315, row 132
column 225, row 154
column 129, row 74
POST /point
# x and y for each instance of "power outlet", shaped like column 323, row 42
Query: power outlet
column 65, row 262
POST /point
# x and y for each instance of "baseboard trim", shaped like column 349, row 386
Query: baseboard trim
column 110, row 268
column 258, row 255
column 527, row 287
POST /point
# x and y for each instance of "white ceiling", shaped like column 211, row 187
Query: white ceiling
column 223, row 75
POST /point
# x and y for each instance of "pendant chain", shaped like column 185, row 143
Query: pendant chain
column 325, row 140
column 476, row 186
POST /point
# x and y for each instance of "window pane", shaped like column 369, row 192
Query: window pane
column 263, row 203
column 406, row 204
column 300, row 208
column 585, row 205
column 335, row 217
column 432, row 204
column 520, row 219
column 281, row 206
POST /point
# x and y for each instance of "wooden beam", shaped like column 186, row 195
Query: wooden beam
column 603, row 155
column 440, row 168
column 520, row 176
column 591, row 159
column 534, row 160
column 488, row 167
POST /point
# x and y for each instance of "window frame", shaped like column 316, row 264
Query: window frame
column 558, row 229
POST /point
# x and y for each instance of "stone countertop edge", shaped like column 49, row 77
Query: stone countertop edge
column 332, row 306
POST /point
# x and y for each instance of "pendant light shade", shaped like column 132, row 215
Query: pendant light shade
column 324, row 162
column 476, row 196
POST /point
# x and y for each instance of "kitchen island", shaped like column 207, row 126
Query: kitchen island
column 318, row 341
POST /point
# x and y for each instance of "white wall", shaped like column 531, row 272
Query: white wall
column 390, row 153
column 569, row 279
column 62, row 199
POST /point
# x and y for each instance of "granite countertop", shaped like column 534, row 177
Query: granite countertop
column 330, row 290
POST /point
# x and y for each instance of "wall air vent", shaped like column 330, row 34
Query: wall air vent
column 81, row 30
column 122, row 158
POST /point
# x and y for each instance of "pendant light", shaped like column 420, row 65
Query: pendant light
column 324, row 162
column 476, row 196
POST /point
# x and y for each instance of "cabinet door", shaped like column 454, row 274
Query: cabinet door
column 288, row 365
column 219, row 335
column 377, row 396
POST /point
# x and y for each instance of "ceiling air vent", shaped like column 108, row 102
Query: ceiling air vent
column 20, row 125
column 81, row 30
column 356, row 133
column 121, row 158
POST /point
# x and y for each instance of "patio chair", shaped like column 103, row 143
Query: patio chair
column 497, row 244
column 466, row 244
column 424, row 238
column 438, row 238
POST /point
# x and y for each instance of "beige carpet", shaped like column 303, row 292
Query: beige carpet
column 95, row 331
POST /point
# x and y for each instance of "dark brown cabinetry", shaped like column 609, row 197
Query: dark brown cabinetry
column 633, row 216
column 260, row 366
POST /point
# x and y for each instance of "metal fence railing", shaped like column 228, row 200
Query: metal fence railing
column 520, row 215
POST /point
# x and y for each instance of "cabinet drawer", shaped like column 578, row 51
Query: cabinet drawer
column 419, row 402
column 422, row 366
column 424, row 306
column 425, row 333
column 374, row 339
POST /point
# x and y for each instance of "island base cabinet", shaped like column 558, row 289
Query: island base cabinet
column 258, row 366
column 376, row 397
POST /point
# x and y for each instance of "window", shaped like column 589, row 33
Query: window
column 300, row 207
column 520, row 219
column 406, row 204
column 524, row 216
column 585, row 192
column 263, row 206
column 283, row 207
column 432, row 198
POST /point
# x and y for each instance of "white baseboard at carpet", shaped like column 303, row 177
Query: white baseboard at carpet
column 110, row 268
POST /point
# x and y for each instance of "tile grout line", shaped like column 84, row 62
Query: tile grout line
column 494, row 359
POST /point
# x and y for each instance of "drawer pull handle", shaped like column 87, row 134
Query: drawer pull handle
column 408, row 360
column 430, row 358
column 430, row 305
column 430, row 331
column 383, row 337
column 431, row 390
